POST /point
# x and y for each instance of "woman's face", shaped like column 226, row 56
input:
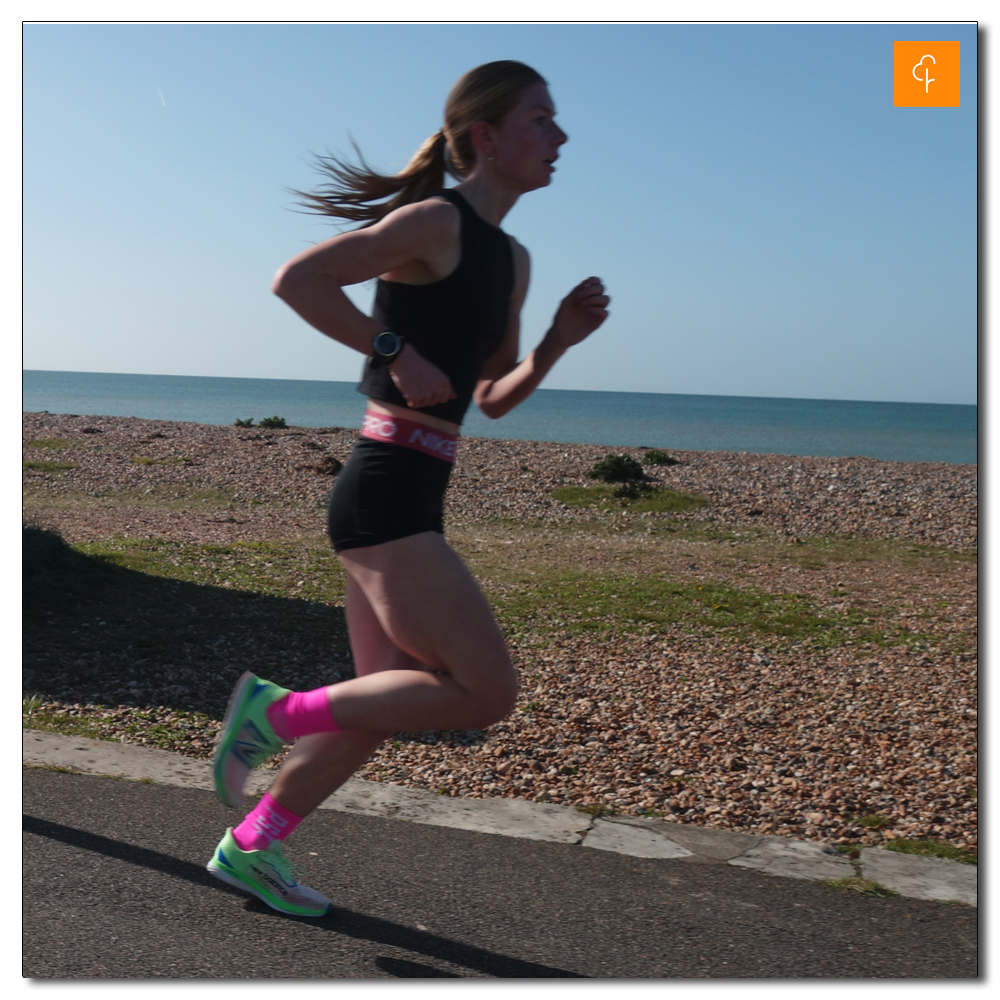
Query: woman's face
column 526, row 141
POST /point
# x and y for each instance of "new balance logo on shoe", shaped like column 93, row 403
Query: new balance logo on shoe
column 278, row 883
column 247, row 748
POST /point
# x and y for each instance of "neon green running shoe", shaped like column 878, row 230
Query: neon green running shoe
column 268, row 876
column 247, row 738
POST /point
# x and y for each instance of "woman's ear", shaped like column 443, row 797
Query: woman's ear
column 483, row 140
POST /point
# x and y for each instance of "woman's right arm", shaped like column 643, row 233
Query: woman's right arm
column 312, row 284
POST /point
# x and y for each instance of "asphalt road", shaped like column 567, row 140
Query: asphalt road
column 115, row 887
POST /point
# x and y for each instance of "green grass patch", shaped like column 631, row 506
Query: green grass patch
column 665, row 501
column 156, row 726
column 50, row 444
column 48, row 466
column 580, row 600
column 585, row 496
column 596, row 810
column 297, row 569
column 864, row 886
column 818, row 551
column 604, row 575
column 36, row 713
column 932, row 849
column 58, row 768
column 872, row 821
column 165, row 460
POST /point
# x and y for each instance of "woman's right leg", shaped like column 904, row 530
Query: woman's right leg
column 428, row 655
column 429, row 606
column 453, row 672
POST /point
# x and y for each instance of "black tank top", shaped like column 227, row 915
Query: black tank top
column 457, row 323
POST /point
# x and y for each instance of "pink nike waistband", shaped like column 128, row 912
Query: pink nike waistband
column 409, row 434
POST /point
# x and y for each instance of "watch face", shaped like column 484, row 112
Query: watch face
column 386, row 344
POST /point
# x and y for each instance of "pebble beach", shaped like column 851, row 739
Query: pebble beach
column 763, row 736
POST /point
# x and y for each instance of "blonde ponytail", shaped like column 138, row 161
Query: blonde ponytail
column 352, row 190
column 362, row 194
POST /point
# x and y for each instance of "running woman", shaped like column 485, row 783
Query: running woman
column 445, row 331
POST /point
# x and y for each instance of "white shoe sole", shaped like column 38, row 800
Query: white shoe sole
column 230, row 793
column 220, row 873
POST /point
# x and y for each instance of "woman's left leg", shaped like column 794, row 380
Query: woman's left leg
column 319, row 764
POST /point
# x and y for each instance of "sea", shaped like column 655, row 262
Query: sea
column 904, row 432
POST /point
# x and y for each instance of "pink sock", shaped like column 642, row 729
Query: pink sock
column 267, row 821
column 301, row 714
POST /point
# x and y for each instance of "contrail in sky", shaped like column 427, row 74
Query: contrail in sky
column 160, row 92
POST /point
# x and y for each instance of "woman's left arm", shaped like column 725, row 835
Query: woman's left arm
column 504, row 382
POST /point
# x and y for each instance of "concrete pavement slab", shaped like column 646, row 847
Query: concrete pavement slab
column 701, row 843
column 795, row 859
column 636, row 841
column 921, row 878
column 509, row 817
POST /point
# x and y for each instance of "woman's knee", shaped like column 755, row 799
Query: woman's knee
column 495, row 701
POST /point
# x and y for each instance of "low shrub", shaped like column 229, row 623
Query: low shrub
column 268, row 423
column 617, row 469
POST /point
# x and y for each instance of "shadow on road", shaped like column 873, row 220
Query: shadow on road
column 402, row 969
column 340, row 921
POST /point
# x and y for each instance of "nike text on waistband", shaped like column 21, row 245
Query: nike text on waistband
column 409, row 434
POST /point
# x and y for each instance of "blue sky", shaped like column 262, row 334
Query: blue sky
column 766, row 221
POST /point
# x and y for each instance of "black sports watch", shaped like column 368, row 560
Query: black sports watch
column 385, row 348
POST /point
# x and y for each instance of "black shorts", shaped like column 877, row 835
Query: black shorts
column 385, row 492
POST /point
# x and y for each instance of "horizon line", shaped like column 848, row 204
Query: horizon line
column 621, row 392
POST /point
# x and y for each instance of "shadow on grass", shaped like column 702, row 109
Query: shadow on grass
column 98, row 632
